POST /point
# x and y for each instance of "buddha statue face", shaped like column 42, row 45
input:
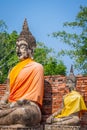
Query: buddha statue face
column 71, row 80
column 22, row 50
column 70, row 84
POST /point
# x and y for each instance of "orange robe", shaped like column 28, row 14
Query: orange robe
column 27, row 82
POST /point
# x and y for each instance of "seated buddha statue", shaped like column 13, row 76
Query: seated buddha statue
column 72, row 105
column 23, row 99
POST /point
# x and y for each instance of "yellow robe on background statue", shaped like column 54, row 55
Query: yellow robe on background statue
column 73, row 102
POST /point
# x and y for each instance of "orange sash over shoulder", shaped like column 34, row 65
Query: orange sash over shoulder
column 27, row 81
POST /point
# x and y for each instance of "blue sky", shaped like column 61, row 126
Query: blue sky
column 43, row 16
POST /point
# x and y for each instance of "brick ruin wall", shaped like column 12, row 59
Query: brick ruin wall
column 53, row 93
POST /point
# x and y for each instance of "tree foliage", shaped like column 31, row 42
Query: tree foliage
column 8, row 56
column 76, row 40
column 46, row 56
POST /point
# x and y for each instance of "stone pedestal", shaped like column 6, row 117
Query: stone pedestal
column 44, row 127
column 20, row 127
column 61, row 127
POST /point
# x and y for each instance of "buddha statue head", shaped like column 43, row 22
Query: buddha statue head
column 71, row 80
column 25, row 43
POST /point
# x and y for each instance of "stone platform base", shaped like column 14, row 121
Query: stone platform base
column 61, row 127
column 43, row 127
column 20, row 127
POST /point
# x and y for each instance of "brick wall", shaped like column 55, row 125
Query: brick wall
column 54, row 91
column 2, row 89
column 82, row 88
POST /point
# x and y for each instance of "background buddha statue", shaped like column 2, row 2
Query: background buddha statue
column 72, row 104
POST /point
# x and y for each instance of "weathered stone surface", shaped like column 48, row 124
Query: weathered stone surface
column 61, row 127
column 20, row 127
column 44, row 127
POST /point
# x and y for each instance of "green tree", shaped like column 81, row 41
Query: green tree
column 42, row 53
column 54, row 67
column 46, row 56
column 7, row 50
column 77, row 40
